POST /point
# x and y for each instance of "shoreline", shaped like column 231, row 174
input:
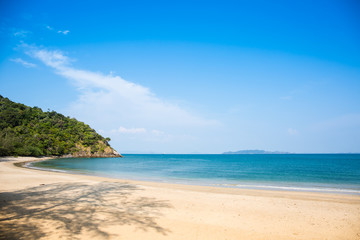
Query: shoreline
column 20, row 163
column 261, row 186
column 151, row 210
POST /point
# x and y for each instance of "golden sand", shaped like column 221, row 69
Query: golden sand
column 37, row 204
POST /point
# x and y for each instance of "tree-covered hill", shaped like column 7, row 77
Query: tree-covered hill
column 28, row 131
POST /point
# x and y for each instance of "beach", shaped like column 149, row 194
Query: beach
column 36, row 204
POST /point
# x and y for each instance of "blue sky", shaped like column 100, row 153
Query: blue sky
column 191, row 76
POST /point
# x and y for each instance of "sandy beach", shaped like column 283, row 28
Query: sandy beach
column 37, row 204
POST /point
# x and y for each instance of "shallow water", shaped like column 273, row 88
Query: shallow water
column 338, row 173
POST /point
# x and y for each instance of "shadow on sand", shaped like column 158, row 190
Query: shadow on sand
column 74, row 208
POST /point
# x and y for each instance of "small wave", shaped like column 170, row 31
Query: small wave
column 30, row 165
column 291, row 188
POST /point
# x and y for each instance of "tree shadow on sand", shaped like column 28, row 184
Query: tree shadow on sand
column 74, row 208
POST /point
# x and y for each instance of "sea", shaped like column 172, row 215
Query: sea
column 332, row 173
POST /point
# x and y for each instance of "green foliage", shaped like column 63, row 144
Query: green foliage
column 28, row 131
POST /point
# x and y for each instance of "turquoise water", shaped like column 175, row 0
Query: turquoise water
column 299, row 172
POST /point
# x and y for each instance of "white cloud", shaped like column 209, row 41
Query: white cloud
column 23, row 62
column 131, row 130
column 55, row 59
column 21, row 33
column 154, row 133
column 65, row 32
column 157, row 132
column 108, row 100
column 292, row 131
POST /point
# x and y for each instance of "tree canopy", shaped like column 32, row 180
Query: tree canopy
column 28, row 131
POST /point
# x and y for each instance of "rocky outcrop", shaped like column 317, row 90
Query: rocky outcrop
column 92, row 155
column 104, row 151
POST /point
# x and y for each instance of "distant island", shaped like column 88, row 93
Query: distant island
column 255, row 152
column 28, row 131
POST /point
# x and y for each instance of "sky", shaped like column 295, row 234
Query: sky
column 191, row 76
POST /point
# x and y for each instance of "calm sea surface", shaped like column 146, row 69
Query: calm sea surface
column 338, row 173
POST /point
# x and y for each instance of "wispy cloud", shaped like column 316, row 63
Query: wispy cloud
column 124, row 130
column 21, row 33
column 130, row 130
column 141, row 136
column 110, row 100
column 23, row 62
column 65, row 32
column 157, row 132
column 55, row 59
column 292, row 131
